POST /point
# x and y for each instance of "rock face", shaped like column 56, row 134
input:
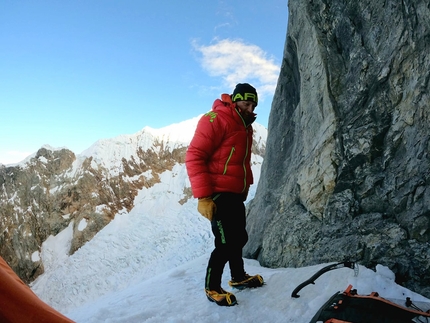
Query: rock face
column 55, row 188
column 347, row 166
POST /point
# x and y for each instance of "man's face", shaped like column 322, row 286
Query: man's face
column 246, row 108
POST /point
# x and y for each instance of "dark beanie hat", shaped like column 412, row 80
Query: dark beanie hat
column 244, row 92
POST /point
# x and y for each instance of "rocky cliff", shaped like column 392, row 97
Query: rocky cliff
column 54, row 188
column 347, row 166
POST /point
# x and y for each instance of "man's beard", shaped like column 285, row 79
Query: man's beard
column 248, row 117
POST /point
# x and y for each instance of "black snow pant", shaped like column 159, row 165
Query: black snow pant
column 228, row 227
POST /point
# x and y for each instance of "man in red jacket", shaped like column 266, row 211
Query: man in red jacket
column 219, row 168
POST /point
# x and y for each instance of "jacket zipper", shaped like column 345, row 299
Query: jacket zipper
column 246, row 154
column 243, row 163
column 228, row 160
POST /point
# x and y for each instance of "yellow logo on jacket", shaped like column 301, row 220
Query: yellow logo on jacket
column 212, row 115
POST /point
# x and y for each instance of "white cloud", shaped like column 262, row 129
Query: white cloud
column 236, row 62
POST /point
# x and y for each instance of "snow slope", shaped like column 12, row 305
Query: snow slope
column 149, row 265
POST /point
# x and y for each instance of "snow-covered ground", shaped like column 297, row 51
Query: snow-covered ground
column 149, row 265
column 176, row 295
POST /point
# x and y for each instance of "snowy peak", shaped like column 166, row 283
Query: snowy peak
column 111, row 151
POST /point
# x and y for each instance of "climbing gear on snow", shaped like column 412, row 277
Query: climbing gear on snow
column 348, row 307
column 348, row 264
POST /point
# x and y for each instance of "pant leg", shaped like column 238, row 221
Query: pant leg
column 228, row 227
column 236, row 235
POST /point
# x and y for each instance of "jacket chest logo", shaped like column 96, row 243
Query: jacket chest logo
column 212, row 115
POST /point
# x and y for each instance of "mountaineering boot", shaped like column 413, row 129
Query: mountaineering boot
column 221, row 297
column 246, row 281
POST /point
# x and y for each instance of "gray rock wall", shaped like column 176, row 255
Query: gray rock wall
column 347, row 166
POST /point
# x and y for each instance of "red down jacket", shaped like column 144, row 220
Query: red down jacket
column 218, row 158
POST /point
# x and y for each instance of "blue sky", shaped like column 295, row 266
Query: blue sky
column 73, row 72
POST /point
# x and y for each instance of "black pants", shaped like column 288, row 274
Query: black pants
column 228, row 227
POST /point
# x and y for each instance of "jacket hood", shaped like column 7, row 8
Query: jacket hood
column 225, row 105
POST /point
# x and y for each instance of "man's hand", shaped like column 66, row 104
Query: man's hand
column 206, row 207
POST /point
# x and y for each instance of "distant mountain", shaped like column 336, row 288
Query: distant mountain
column 55, row 189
